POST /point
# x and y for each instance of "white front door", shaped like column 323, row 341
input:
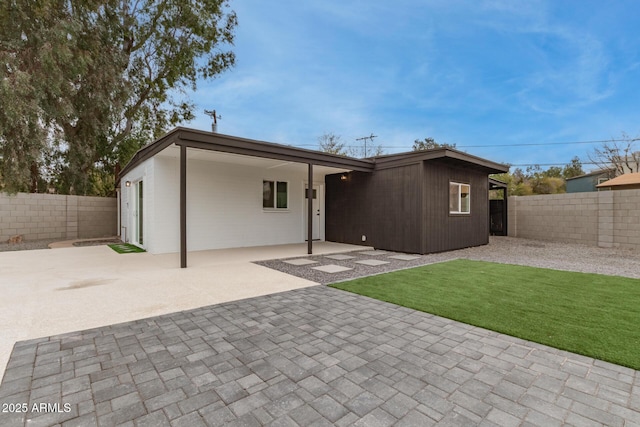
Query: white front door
column 316, row 212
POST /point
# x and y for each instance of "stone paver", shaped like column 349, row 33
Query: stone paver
column 375, row 252
column 332, row 268
column 403, row 257
column 372, row 262
column 300, row 261
column 314, row 356
column 339, row 257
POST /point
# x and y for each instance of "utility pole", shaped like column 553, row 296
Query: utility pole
column 364, row 138
column 212, row 114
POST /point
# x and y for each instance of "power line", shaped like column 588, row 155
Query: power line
column 551, row 143
column 529, row 144
column 549, row 164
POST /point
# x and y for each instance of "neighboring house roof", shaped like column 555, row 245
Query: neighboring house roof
column 594, row 173
column 231, row 144
column 626, row 180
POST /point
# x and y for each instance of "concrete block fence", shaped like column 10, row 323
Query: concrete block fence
column 53, row 216
column 603, row 218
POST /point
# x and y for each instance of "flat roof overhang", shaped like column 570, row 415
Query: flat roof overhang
column 192, row 138
column 199, row 140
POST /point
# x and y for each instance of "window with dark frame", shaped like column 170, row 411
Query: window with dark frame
column 275, row 194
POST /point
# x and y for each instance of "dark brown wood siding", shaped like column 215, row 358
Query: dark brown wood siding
column 396, row 215
column 406, row 208
column 383, row 205
column 445, row 231
column 347, row 208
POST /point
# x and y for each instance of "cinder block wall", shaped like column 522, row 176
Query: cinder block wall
column 605, row 218
column 626, row 218
column 53, row 216
column 97, row 216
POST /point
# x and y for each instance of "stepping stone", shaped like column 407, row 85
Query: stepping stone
column 300, row 261
column 404, row 257
column 339, row 257
column 372, row 262
column 331, row 268
column 373, row 253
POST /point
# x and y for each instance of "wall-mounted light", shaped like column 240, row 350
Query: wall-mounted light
column 127, row 184
column 343, row 177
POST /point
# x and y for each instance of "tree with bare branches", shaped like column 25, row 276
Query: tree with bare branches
column 620, row 156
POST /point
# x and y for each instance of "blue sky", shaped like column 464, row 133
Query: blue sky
column 473, row 73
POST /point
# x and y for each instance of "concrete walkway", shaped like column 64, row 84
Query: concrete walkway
column 52, row 291
column 310, row 357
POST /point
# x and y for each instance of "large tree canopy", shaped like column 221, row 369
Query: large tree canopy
column 83, row 84
column 430, row 144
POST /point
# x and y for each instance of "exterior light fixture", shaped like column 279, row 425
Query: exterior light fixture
column 343, row 177
column 127, row 184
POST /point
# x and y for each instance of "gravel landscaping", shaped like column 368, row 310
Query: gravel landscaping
column 507, row 250
column 44, row 244
column 25, row 246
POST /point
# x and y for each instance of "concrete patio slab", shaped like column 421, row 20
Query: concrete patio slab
column 331, row 268
column 312, row 356
column 53, row 291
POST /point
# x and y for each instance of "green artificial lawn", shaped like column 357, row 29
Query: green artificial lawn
column 589, row 314
column 126, row 248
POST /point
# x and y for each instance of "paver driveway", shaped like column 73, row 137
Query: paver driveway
column 313, row 356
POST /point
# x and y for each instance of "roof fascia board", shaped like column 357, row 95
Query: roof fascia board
column 148, row 151
column 230, row 144
column 247, row 147
column 404, row 159
column 488, row 164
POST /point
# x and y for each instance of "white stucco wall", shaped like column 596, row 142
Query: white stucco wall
column 224, row 206
column 144, row 172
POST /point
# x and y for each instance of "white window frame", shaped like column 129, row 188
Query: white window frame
column 600, row 181
column 275, row 207
column 459, row 210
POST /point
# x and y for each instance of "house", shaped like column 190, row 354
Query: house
column 195, row 190
column 627, row 181
column 588, row 182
